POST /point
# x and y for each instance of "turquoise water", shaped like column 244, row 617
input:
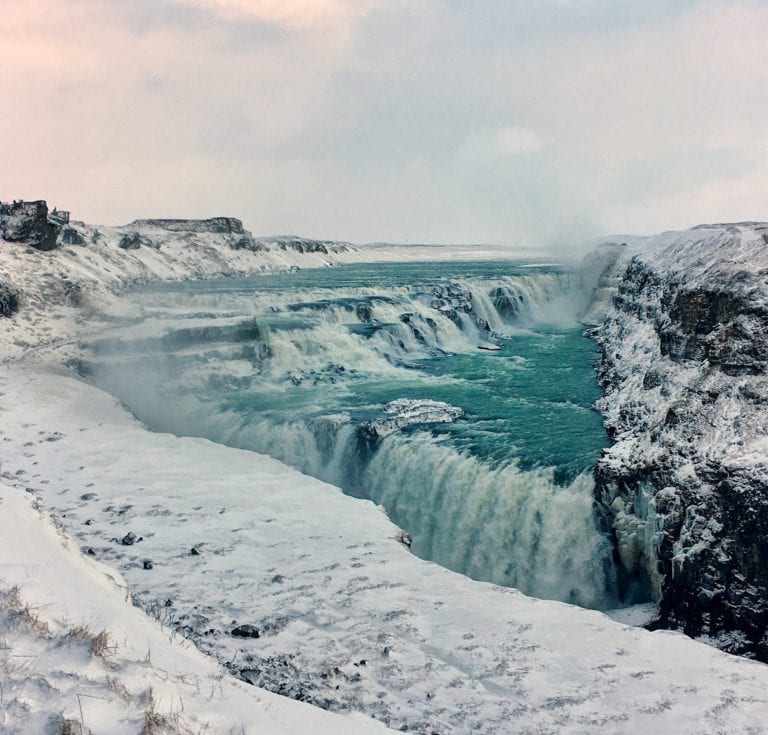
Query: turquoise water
column 303, row 366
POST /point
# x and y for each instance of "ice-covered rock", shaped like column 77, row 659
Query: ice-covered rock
column 685, row 485
column 408, row 412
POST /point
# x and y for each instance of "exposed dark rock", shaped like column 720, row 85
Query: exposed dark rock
column 220, row 225
column 246, row 631
column 129, row 539
column 507, row 302
column 27, row 222
column 246, row 242
column 364, row 313
column 301, row 245
column 9, row 301
column 690, row 525
column 70, row 236
column 133, row 241
column 147, row 564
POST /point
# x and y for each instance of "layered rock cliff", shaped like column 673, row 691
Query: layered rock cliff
column 684, row 488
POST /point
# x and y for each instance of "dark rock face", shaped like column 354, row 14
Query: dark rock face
column 70, row 236
column 301, row 245
column 685, row 374
column 9, row 301
column 246, row 242
column 246, row 631
column 221, row 225
column 133, row 241
column 28, row 222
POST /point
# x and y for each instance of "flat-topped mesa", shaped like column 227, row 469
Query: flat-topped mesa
column 28, row 223
column 219, row 225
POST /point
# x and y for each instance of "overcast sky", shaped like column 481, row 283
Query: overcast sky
column 496, row 121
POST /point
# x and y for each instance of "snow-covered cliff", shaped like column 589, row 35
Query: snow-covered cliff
column 685, row 485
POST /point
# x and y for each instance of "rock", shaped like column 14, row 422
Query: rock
column 27, row 222
column 70, row 236
column 363, row 312
column 507, row 302
column 147, row 564
column 133, row 241
column 9, row 301
column 246, row 242
column 246, row 631
column 220, row 225
column 684, row 368
column 301, row 245
column 129, row 539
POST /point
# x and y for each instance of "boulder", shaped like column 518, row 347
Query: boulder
column 27, row 222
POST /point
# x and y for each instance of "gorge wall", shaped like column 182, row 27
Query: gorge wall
column 684, row 488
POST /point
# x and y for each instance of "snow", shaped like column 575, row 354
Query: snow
column 348, row 617
column 56, row 670
column 409, row 412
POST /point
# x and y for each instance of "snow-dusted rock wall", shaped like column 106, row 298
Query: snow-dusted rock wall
column 685, row 485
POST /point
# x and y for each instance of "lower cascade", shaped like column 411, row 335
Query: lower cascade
column 458, row 397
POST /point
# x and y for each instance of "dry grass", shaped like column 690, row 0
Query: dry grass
column 98, row 643
column 69, row 727
column 156, row 723
column 119, row 688
column 17, row 613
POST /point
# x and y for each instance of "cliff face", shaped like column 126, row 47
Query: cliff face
column 28, row 222
column 684, row 488
column 220, row 225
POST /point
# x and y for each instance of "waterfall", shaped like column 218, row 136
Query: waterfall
column 315, row 376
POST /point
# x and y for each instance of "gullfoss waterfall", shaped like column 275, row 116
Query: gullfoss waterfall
column 457, row 396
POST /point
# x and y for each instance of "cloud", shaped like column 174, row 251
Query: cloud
column 501, row 121
column 292, row 14
column 511, row 140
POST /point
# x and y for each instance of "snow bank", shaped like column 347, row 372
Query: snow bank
column 78, row 657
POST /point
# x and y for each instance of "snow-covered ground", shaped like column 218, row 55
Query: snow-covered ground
column 210, row 539
column 76, row 654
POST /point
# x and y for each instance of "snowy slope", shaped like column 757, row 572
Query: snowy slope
column 77, row 654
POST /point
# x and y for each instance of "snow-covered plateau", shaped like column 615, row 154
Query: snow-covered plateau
column 303, row 591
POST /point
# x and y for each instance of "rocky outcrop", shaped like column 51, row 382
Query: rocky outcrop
column 70, row 236
column 305, row 245
column 28, row 223
column 684, row 488
column 134, row 240
column 218, row 225
column 9, row 301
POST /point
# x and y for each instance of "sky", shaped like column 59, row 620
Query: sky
column 472, row 121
